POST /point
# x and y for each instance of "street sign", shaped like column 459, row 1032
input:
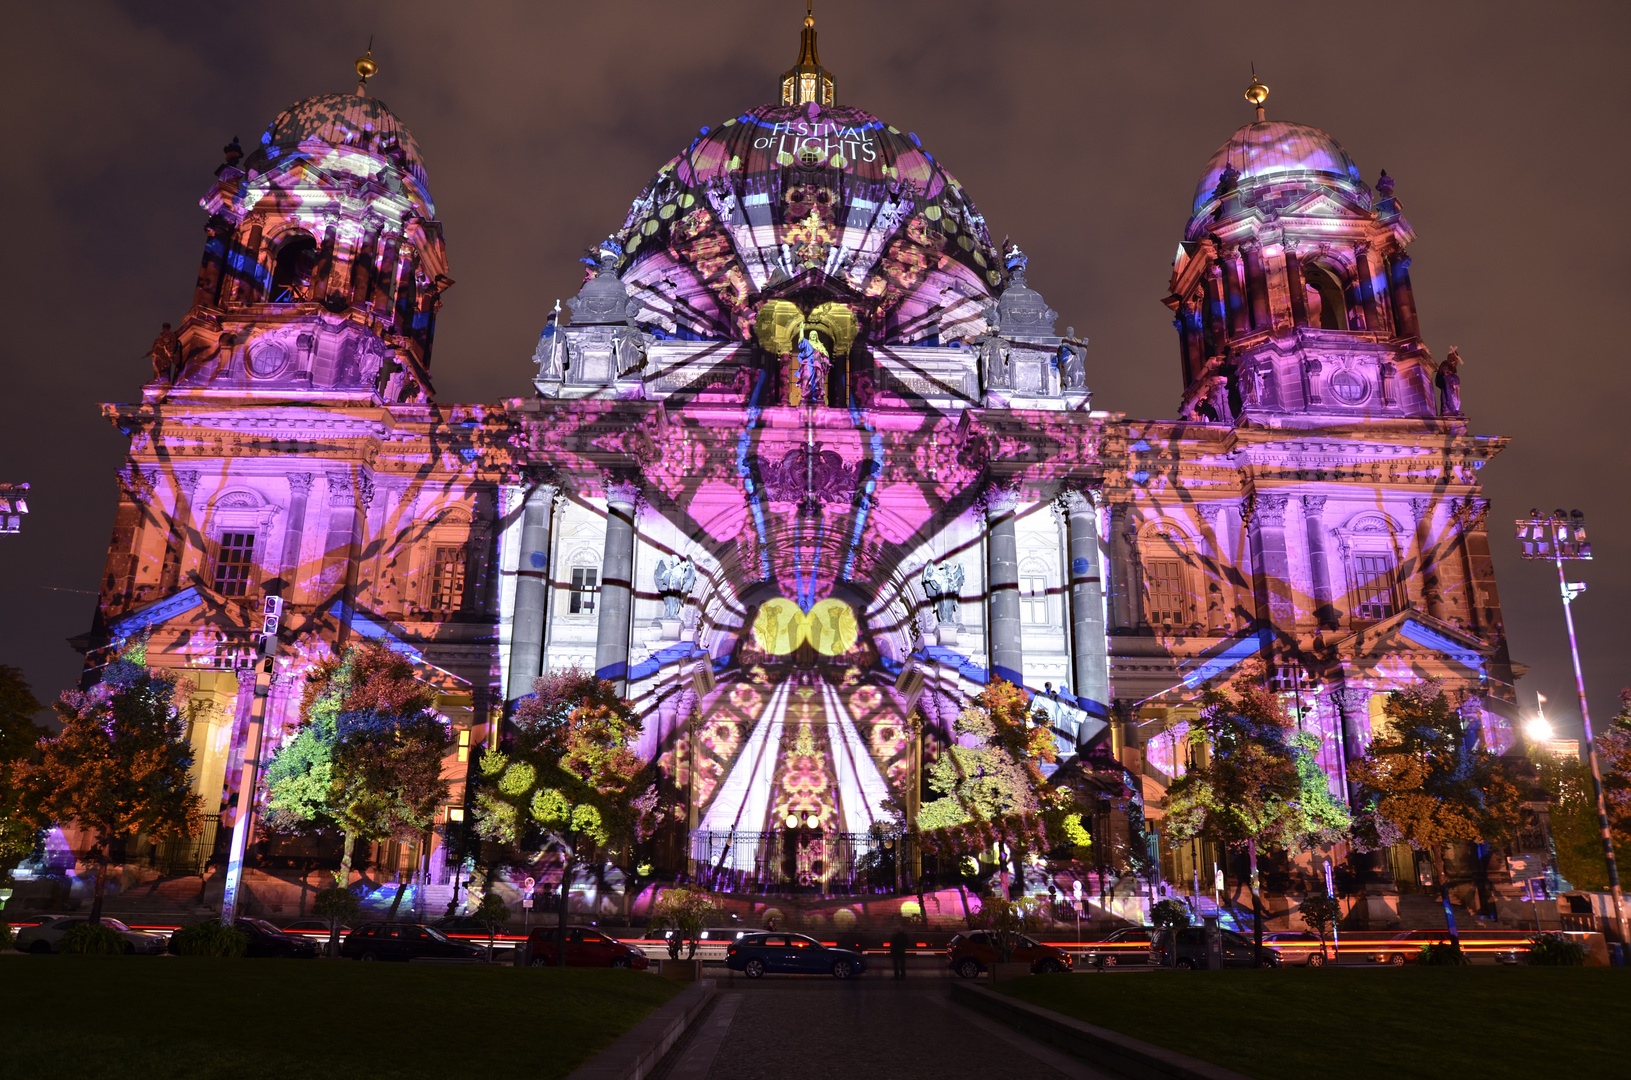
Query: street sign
column 1217, row 880
column 529, row 884
column 527, row 903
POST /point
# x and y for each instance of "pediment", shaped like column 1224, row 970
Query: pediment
column 1415, row 632
column 1324, row 204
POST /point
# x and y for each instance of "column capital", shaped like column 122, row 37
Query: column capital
column 999, row 499
column 1348, row 698
column 624, row 492
column 1314, row 504
column 300, row 483
column 1421, row 506
column 1265, row 508
column 186, row 481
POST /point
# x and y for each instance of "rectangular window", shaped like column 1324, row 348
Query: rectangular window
column 1373, row 588
column 1165, row 581
column 233, row 563
column 1033, row 592
column 447, row 581
column 464, row 745
column 585, row 584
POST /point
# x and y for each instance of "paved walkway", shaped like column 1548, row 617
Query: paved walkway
column 814, row 1028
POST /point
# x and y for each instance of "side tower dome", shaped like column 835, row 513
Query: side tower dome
column 1292, row 289
column 323, row 260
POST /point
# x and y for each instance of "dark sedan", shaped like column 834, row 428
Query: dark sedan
column 1129, row 945
column 755, row 955
column 266, row 940
column 1237, row 950
column 406, row 941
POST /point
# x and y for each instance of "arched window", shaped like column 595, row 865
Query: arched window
column 1169, row 596
column 1326, row 308
column 1033, row 591
column 292, row 272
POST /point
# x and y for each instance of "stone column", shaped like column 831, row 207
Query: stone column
column 617, row 585
column 348, row 496
column 1091, row 649
column 1002, row 586
column 1404, row 298
column 1123, row 574
column 1213, row 321
column 1257, row 286
column 288, row 567
column 1295, row 289
column 532, row 576
column 1367, row 288
column 178, row 541
column 1271, row 569
column 1234, row 301
column 1313, row 520
column 1353, row 704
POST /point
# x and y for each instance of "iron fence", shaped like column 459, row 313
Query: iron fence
column 803, row 861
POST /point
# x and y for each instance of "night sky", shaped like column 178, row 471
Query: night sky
column 1080, row 129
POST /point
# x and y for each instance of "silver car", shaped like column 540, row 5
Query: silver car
column 47, row 937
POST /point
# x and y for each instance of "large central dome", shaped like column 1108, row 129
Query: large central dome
column 831, row 196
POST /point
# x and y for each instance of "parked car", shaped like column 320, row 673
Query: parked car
column 1237, row 950
column 47, row 936
column 316, row 929
column 585, row 947
column 1129, row 945
column 464, row 927
column 1298, row 947
column 972, row 953
column 405, row 941
column 266, row 940
column 755, row 955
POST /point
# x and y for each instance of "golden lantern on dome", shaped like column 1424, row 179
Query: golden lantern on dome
column 366, row 69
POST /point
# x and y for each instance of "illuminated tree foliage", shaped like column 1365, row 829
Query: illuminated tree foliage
column 990, row 784
column 120, row 765
column 20, row 819
column 366, row 760
column 1576, row 833
column 1426, row 777
column 566, row 778
column 1256, row 782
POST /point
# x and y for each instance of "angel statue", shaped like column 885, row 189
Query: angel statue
column 941, row 584
column 1449, row 383
column 674, row 584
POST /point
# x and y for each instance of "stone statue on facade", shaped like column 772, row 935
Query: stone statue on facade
column 550, row 345
column 941, row 584
column 166, row 355
column 1449, row 384
column 674, row 583
column 629, row 348
column 814, row 366
column 1072, row 361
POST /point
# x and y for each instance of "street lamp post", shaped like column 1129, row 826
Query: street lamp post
column 1558, row 537
column 250, row 781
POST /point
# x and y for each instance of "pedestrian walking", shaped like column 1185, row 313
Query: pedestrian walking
column 898, row 944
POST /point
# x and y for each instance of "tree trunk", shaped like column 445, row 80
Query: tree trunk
column 101, row 887
column 567, row 852
column 1257, row 907
column 1444, row 893
column 342, row 877
column 962, row 894
column 1016, row 891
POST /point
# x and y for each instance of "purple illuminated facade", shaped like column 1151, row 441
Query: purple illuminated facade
column 804, row 456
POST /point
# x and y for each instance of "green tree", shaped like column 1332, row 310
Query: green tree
column 1255, row 783
column 366, row 760
column 566, row 778
column 1170, row 916
column 1426, row 777
column 494, row 914
column 1576, row 832
column 681, row 914
column 336, row 906
column 21, row 824
column 120, row 765
column 1321, row 914
column 990, row 787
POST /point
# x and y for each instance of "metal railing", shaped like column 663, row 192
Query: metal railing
column 802, row 860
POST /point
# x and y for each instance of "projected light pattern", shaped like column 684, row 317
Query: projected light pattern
column 805, row 374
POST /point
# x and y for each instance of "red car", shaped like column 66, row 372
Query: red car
column 585, row 947
column 970, row 954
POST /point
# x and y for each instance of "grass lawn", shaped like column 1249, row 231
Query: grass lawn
column 1301, row 1023
column 183, row 1017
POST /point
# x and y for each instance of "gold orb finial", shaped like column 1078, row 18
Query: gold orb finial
column 366, row 69
column 809, row 12
column 1257, row 93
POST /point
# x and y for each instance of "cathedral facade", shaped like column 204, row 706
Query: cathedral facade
column 804, row 466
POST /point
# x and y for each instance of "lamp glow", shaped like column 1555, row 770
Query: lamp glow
column 1539, row 730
